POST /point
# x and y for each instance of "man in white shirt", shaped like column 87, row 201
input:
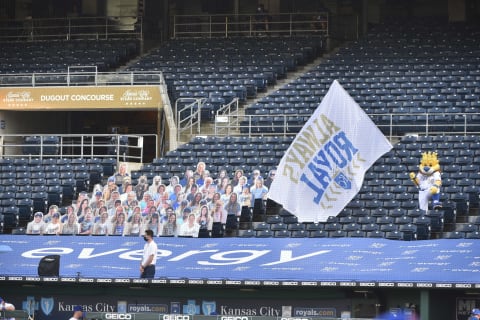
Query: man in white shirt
column 149, row 259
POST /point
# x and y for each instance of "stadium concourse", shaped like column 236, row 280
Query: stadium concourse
column 382, row 252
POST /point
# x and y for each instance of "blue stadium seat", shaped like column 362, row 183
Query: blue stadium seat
column 314, row 226
column 264, row 233
column 394, row 235
column 281, row 234
column 375, row 234
column 318, row 234
column 453, row 235
column 299, row 234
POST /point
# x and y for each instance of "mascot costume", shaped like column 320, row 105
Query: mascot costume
column 428, row 180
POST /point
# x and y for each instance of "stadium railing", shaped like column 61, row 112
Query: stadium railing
column 283, row 24
column 16, row 314
column 181, row 316
column 389, row 123
column 70, row 28
column 123, row 147
column 82, row 76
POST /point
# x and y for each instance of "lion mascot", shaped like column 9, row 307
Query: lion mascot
column 428, row 180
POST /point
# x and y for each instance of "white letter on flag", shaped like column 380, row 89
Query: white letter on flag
column 323, row 168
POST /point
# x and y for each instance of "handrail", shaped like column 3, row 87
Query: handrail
column 86, row 78
column 217, row 25
column 69, row 28
column 392, row 125
column 15, row 314
column 231, row 121
column 123, row 147
column 70, row 71
column 193, row 116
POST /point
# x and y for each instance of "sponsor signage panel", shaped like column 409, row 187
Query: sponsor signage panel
column 81, row 97
column 46, row 306
column 332, row 262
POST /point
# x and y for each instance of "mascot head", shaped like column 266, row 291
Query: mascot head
column 429, row 163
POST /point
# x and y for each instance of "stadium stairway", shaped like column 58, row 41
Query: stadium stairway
column 219, row 70
column 429, row 79
column 207, row 127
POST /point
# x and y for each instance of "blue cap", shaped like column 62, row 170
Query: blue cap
column 475, row 311
column 77, row 308
column 1, row 300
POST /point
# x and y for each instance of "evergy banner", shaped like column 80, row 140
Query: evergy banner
column 239, row 259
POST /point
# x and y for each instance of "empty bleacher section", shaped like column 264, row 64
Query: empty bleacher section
column 220, row 70
column 229, row 153
column 31, row 184
column 410, row 77
column 59, row 56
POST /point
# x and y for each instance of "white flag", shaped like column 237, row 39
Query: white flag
column 324, row 167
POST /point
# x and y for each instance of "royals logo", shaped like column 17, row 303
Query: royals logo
column 47, row 305
column 343, row 181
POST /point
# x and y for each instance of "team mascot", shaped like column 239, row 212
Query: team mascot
column 428, row 180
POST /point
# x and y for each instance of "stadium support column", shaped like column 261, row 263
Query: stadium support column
column 457, row 11
column 424, row 305
column 160, row 132
column 364, row 19
column 236, row 6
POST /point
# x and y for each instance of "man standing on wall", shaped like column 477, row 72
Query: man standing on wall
column 147, row 266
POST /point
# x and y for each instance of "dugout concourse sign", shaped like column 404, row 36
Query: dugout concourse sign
column 80, row 98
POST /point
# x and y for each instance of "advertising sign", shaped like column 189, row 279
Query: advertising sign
column 80, row 98
column 331, row 262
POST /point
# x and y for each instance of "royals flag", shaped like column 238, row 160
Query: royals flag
column 324, row 167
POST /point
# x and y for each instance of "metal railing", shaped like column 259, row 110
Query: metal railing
column 188, row 115
column 70, row 28
column 282, row 24
column 394, row 126
column 127, row 148
column 232, row 119
column 398, row 124
column 88, row 76
column 82, row 76
column 155, row 316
